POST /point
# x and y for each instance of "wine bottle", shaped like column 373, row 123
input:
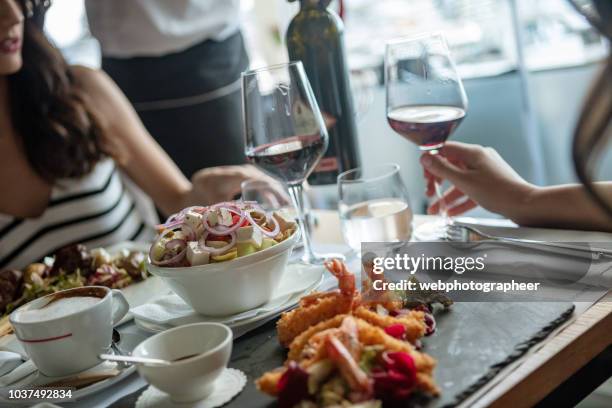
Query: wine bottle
column 315, row 37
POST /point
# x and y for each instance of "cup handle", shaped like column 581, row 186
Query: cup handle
column 122, row 308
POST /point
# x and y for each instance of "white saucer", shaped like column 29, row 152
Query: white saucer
column 297, row 281
column 128, row 342
column 227, row 386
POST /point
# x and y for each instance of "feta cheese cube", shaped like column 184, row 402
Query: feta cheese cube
column 226, row 218
column 213, row 218
column 195, row 221
column 196, row 255
column 249, row 234
column 244, row 233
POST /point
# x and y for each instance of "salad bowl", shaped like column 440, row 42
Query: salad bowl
column 225, row 288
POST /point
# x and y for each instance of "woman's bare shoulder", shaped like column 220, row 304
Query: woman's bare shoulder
column 103, row 95
column 93, row 82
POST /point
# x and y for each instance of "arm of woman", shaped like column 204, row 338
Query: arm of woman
column 481, row 177
column 127, row 141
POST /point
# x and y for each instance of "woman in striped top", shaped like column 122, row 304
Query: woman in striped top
column 69, row 142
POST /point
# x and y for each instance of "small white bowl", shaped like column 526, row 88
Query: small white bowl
column 226, row 288
column 191, row 379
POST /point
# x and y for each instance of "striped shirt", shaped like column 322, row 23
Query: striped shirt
column 96, row 210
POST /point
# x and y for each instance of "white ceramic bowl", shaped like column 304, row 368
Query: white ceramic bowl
column 193, row 378
column 225, row 288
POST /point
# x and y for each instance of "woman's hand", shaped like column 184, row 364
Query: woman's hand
column 223, row 183
column 480, row 177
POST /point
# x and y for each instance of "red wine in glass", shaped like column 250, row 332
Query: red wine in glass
column 290, row 160
column 428, row 126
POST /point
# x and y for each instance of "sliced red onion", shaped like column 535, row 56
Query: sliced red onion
column 174, row 243
column 216, row 251
column 171, row 261
column 272, row 233
column 177, row 219
column 169, row 225
column 195, row 208
column 225, row 230
column 172, row 218
column 226, row 204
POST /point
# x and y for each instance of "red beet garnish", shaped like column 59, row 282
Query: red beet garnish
column 396, row 330
column 396, row 380
column 292, row 386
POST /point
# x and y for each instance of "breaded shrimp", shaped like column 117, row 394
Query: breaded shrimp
column 413, row 322
column 318, row 307
column 368, row 335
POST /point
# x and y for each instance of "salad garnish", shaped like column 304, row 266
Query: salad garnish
column 221, row 232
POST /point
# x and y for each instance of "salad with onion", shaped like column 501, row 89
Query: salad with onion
column 217, row 233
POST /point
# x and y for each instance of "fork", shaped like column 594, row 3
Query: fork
column 468, row 233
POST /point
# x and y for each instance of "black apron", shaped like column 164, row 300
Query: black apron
column 189, row 101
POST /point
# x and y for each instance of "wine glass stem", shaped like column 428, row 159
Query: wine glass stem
column 443, row 209
column 295, row 191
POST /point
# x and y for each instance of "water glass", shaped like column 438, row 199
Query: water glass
column 374, row 205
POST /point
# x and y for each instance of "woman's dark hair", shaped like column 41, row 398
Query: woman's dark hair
column 58, row 130
column 593, row 130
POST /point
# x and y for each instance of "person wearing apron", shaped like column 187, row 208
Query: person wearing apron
column 179, row 63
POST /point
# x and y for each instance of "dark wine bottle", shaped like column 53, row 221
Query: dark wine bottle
column 315, row 37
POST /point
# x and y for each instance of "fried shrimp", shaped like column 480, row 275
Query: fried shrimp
column 318, row 307
column 268, row 383
column 321, row 307
column 413, row 321
column 341, row 340
column 297, row 345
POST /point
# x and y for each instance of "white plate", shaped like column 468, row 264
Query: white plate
column 298, row 280
column 128, row 342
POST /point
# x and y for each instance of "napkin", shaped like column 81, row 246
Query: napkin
column 227, row 386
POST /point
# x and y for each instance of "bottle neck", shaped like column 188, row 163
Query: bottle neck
column 314, row 4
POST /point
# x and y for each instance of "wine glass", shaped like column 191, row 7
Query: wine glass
column 426, row 102
column 374, row 205
column 270, row 195
column 285, row 133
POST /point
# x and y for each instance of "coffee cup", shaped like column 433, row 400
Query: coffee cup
column 65, row 332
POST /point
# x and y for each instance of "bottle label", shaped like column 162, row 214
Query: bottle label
column 327, row 164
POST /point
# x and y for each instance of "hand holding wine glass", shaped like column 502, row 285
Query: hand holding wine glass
column 285, row 132
column 426, row 101
column 480, row 176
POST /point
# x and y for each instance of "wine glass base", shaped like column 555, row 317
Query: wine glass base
column 432, row 231
column 319, row 259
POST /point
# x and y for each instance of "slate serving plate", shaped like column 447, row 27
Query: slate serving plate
column 473, row 342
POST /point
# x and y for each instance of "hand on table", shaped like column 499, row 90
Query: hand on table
column 223, row 183
column 479, row 176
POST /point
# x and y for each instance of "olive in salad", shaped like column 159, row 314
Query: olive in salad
column 200, row 235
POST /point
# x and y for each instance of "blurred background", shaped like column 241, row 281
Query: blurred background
column 526, row 64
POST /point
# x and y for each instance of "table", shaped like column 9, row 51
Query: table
column 555, row 360
column 536, row 374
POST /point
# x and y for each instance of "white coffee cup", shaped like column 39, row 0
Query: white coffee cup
column 71, row 342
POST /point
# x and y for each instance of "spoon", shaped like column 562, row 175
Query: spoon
column 133, row 359
column 116, row 339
